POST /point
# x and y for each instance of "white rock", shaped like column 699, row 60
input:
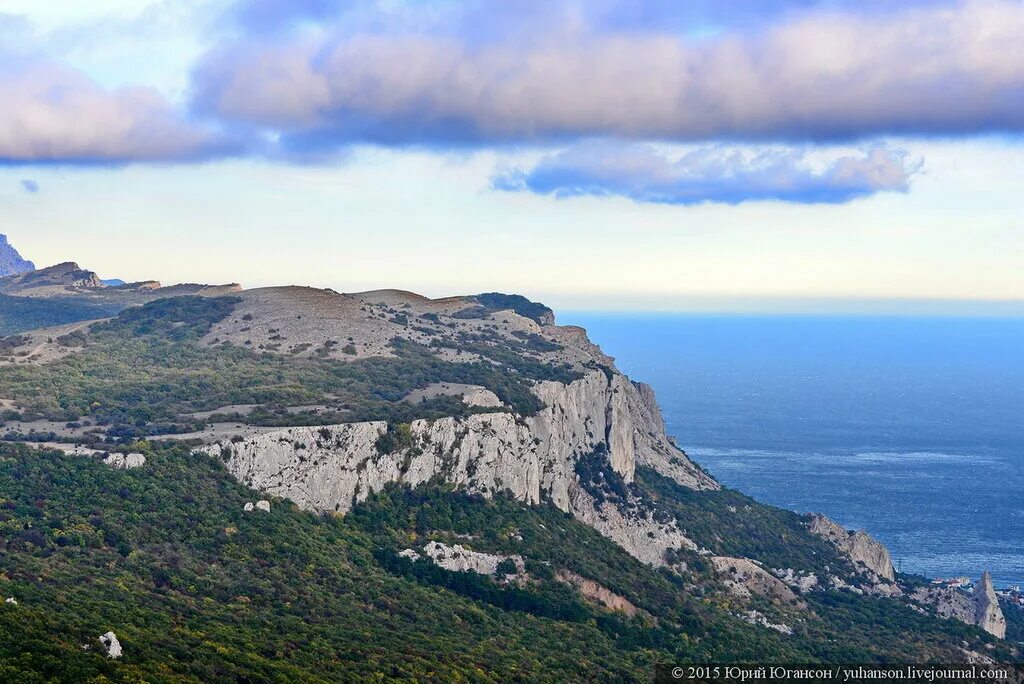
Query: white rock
column 248, row 506
column 113, row 646
column 756, row 618
column 330, row 468
column 980, row 608
column 411, row 554
column 481, row 397
column 12, row 601
column 987, row 613
column 263, row 505
column 460, row 559
column 125, row 461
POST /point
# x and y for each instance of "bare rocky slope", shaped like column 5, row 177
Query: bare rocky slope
column 69, row 280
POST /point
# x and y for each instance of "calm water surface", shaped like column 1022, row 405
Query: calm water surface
column 912, row 429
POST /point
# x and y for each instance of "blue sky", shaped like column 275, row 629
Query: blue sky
column 600, row 154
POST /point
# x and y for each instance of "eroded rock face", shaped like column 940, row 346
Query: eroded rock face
column 593, row 591
column 744, row 577
column 980, row 608
column 330, row 468
column 460, row 559
column 987, row 613
column 866, row 553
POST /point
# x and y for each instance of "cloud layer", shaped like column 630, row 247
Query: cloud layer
column 936, row 68
column 306, row 80
column 54, row 114
column 723, row 175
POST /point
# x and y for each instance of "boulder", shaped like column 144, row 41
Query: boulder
column 111, row 644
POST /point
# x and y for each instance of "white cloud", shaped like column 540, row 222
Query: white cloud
column 54, row 114
column 725, row 175
column 931, row 69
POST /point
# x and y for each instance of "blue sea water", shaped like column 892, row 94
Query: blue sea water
column 910, row 428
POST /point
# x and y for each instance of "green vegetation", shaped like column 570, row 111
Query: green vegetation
column 489, row 302
column 198, row 590
column 732, row 524
column 18, row 314
column 1014, row 622
column 146, row 370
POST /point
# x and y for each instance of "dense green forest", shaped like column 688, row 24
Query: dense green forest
column 18, row 314
column 198, row 590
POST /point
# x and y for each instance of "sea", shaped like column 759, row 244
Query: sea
column 909, row 428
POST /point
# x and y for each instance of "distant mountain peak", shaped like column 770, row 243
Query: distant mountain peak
column 11, row 261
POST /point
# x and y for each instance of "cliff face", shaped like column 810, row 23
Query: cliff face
column 987, row 613
column 11, row 262
column 864, row 552
column 60, row 279
column 980, row 608
column 534, row 458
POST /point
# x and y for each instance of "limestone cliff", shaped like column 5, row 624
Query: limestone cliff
column 980, row 608
column 534, row 458
column 987, row 613
column 866, row 553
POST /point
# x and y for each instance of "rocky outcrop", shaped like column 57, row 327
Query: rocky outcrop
column 630, row 525
column 125, row 461
column 987, row 613
column 480, row 396
column 754, row 617
column 111, row 645
column 866, row 553
column 458, row 558
column 798, row 580
column 654, row 449
column 11, row 262
column 60, row 279
column 534, row 458
column 980, row 608
column 744, row 577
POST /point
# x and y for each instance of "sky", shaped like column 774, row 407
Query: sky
column 796, row 155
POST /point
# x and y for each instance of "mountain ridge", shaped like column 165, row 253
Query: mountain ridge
column 341, row 403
